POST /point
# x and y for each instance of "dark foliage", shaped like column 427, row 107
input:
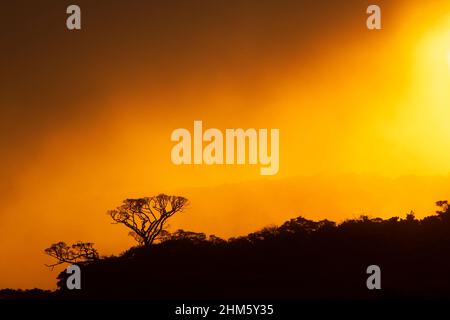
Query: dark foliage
column 301, row 259
column 25, row 294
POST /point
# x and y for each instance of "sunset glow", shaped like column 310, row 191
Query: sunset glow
column 362, row 118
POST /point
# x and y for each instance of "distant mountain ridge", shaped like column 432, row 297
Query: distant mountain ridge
column 255, row 204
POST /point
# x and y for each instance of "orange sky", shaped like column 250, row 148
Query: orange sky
column 87, row 116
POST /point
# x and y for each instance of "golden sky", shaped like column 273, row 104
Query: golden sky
column 87, row 115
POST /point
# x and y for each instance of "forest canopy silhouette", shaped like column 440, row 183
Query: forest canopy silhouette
column 301, row 259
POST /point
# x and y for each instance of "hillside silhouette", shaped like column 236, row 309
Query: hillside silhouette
column 301, row 259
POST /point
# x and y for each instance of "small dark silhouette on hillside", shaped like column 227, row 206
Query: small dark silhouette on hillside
column 77, row 253
column 301, row 259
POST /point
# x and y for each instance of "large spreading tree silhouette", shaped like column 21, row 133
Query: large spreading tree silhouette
column 146, row 217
